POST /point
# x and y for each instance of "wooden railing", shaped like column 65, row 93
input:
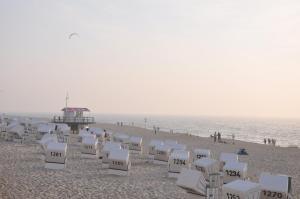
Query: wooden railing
column 79, row 120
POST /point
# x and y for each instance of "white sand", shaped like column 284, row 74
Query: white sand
column 22, row 172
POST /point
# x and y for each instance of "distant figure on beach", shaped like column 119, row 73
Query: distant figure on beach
column 269, row 141
column 233, row 136
column 219, row 136
column 265, row 140
column 154, row 128
column 215, row 137
column 273, row 142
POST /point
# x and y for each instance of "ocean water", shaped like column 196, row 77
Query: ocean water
column 286, row 132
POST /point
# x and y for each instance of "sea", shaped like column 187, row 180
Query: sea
column 286, row 132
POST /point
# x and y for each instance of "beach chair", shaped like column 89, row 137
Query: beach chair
column 227, row 157
column 99, row 132
column 171, row 142
column 107, row 147
column 122, row 138
column 152, row 145
column 192, row 181
column 240, row 189
column 275, row 186
column 56, row 155
column 201, row 153
column 162, row 154
column 119, row 162
column 214, row 187
column 178, row 160
column 207, row 166
column 234, row 171
column 84, row 133
column 46, row 139
column 89, row 147
column 136, row 144
column 176, row 147
column 43, row 129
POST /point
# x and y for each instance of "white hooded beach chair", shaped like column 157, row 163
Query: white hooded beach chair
column 107, row 147
column 44, row 128
column 207, row 166
column 47, row 139
column 214, row 187
column 275, row 186
column 14, row 132
column 122, row 138
column 136, row 144
column 153, row 144
column 2, row 131
column 240, row 189
column 177, row 161
column 99, row 132
column 234, row 171
column 119, row 162
column 176, row 147
column 192, row 181
column 171, row 142
column 201, row 153
column 84, row 133
column 227, row 157
column 63, row 132
column 162, row 154
column 89, row 146
column 56, row 155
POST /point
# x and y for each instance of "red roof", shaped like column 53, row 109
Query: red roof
column 73, row 109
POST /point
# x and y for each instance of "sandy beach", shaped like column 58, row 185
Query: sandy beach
column 23, row 174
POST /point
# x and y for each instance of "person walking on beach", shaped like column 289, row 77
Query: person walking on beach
column 233, row 136
column 265, row 140
column 154, row 128
column 215, row 137
column 219, row 136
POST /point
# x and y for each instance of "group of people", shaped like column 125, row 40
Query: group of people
column 155, row 129
column 119, row 123
column 270, row 141
column 217, row 137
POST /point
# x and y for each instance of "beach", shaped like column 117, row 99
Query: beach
column 23, row 174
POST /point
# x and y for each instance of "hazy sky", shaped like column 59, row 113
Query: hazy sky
column 187, row 57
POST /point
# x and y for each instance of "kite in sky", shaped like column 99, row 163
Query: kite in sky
column 73, row 35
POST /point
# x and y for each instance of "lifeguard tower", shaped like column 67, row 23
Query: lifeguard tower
column 74, row 117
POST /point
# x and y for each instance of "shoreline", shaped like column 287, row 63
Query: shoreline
column 228, row 140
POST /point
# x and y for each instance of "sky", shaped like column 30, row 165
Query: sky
column 164, row 57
